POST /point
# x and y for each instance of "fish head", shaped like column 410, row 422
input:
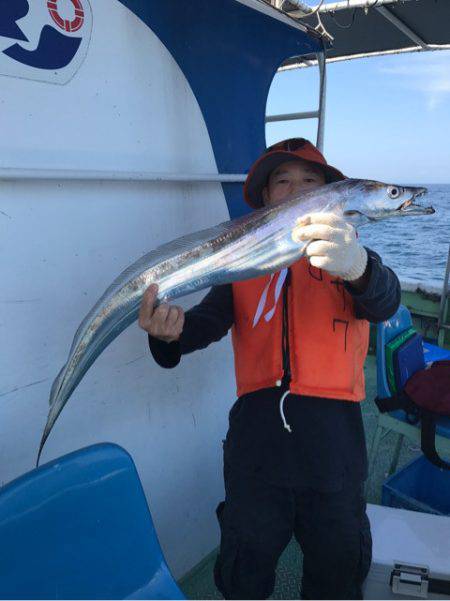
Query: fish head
column 373, row 201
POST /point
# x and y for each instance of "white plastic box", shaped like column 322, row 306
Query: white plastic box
column 411, row 555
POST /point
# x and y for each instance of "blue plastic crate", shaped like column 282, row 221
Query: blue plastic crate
column 419, row 486
column 431, row 353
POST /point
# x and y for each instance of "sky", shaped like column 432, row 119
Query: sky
column 387, row 118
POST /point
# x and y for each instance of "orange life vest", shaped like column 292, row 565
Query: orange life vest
column 327, row 343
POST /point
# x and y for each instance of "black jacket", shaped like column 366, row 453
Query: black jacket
column 327, row 441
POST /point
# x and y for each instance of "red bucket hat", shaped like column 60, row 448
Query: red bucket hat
column 287, row 150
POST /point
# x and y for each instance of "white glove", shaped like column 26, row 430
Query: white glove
column 334, row 247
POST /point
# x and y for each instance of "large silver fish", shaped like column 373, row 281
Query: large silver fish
column 243, row 248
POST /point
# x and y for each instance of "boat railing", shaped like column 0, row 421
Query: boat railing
column 442, row 326
column 319, row 113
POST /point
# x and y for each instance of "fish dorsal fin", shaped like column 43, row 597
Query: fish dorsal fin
column 175, row 248
column 162, row 253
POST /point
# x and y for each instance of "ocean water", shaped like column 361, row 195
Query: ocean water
column 415, row 247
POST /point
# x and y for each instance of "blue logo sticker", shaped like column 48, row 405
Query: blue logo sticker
column 49, row 38
column 10, row 12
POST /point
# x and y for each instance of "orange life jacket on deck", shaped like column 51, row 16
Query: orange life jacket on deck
column 327, row 343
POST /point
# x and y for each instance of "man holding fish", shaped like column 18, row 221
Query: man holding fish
column 295, row 454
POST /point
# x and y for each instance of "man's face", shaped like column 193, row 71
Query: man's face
column 288, row 179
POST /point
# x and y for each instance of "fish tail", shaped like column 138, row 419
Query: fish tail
column 44, row 437
column 55, row 393
column 55, row 410
column 41, row 447
column 57, row 385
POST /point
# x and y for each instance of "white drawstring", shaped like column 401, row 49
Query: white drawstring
column 268, row 316
column 285, row 424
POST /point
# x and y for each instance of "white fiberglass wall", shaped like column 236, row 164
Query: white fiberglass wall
column 127, row 107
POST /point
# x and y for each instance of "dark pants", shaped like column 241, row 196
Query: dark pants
column 257, row 521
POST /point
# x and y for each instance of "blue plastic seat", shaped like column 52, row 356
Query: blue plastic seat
column 396, row 420
column 79, row 527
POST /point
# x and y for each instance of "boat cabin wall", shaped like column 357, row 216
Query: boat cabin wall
column 128, row 108
column 97, row 97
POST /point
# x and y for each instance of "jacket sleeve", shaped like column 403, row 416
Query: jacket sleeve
column 381, row 298
column 207, row 322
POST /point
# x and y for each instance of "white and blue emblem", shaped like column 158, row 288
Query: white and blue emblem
column 45, row 40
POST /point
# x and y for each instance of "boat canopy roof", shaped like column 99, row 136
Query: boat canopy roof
column 269, row 8
column 365, row 28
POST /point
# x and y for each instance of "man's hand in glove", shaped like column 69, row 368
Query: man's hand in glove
column 334, row 246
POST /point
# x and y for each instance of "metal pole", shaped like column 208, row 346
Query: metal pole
column 302, row 9
column 336, row 59
column 118, row 176
column 321, row 58
column 292, row 116
column 346, row 4
column 401, row 26
column 444, row 296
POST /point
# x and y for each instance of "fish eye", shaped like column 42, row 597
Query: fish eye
column 393, row 192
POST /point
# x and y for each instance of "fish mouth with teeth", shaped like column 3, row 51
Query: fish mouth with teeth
column 410, row 206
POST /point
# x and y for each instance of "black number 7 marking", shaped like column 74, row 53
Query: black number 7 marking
column 345, row 323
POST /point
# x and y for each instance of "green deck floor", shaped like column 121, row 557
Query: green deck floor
column 199, row 584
